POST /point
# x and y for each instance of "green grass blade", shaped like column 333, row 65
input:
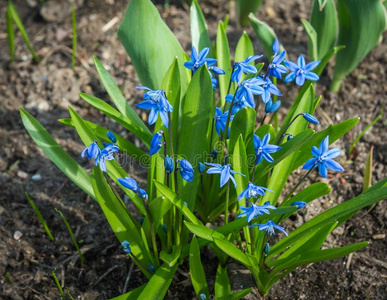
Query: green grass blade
column 71, row 235
column 22, row 30
column 364, row 131
column 74, row 22
column 55, row 152
column 58, row 284
column 11, row 35
column 40, row 217
column 224, row 61
column 368, row 171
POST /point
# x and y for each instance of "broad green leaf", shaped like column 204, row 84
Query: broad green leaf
column 178, row 202
column 322, row 4
column 334, row 213
column 242, row 124
column 312, row 36
column 198, row 277
column 199, row 33
column 222, row 283
column 158, row 208
column 196, row 120
column 150, row 44
column 171, row 258
column 244, row 8
column 116, row 213
column 241, row 294
column 15, row 16
column 57, row 155
column 232, row 250
column 265, row 33
column 159, row 283
column 361, row 24
column 118, row 99
column 324, row 22
column 244, row 49
column 101, row 132
column 367, row 182
column 102, row 106
column 10, row 34
column 310, row 193
column 224, row 61
column 132, row 294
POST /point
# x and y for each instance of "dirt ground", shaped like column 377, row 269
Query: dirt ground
column 47, row 89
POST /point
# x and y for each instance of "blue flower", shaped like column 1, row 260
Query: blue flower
column 323, row 159
column 275, row 68
column 275, row 47
column 111, row 137
column 201, row 167
column 300, row 71
column 203, row 297
column 254, row 211
column 299, row 204
column 168, row 165
column 151, row 267
column 272, row 107
column 129, row 183
column 142, row 194
column 263, row 148
column 221, row 120
column 266, row 249
column 225, row 173
column 253, row 191
column 105, row 154
column 250, row 87
column 269, row 88
column 92, row 151
column 198, row 60
column 216, row 70
column 244, row 67
column 310, row 118
column 156, row 143
column 239, row 103
column 126, row 246
column 186, row 170
column 269, row 228
column 157, row 102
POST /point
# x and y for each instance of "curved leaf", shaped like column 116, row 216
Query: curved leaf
column 199, row 33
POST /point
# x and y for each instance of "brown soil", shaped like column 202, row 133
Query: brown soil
column 47, row 89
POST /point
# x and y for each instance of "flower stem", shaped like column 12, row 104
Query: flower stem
column 227, row 203
column 152, row 229
column 135, row 258
column 228, row 89
column 290, row 194
column 212, row 136
column 287, row 127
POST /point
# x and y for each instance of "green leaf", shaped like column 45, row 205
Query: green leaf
column 243, row 50
column 322, row 4
column 119, row 219
column 134, row 294
column 231, row 250
column 244, row 8
column 150, row 44
column 199, row 33
column 158, row 208
column 101, row 132
column 15, row 16
column 344, row 209
column 171, row 258
column 10, row 34
column 118, row 99
column 310, row 193
column 178, row 202
column 57, row 155
column 198, row 277
column 242, row 124
column 224, row 61
column 195, row 126
column 324, row 22
column 367, row 182
column 159, row 283
column 102, row 106
column 312, row 35
column 265, row 33
column 222, row 283
column 361, row 25
column 241, row 294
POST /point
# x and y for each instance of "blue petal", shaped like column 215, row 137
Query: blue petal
column 333, row 153
column 152, row 117
column 323, row 169
column 300, row 79
column 290, row 77
column 276, row 46
column 147, row 104
column 279, row 58
column 324, row 145
column 164, row 118
column 301, row 62
column 189, row 64
column 333, row 165
column 313, row 64
column 249, row 69
column 309, row 164
column 311, row 76
column 291, row 65
column 203, row 53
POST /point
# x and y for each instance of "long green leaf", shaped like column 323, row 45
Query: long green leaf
column 244, row 48
column 134, row 294
column 159, row 283
column 137, row 125
column 232, row 250
column 224, row 59
column 361, row 24
column 195, row 126
column 222, row 283
column 367, row 182
column 150, row 44
column 102, row 106
column 242, row 124
column 57, row 155
column 265, row 33
column 324, row 22
column 244, row 8
column 312, row 35
column 198, row 277
column 200, row 38
column 10, row 34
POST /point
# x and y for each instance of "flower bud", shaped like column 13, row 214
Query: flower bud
column 310, row 118
column 201, row 167
column 266, row 249
column 126, row 246
column 111, row 137
column 299, row 204
column 168, row 165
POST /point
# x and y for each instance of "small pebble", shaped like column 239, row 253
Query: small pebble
column 17, row 235
column 22, row 174
column 36, row 177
